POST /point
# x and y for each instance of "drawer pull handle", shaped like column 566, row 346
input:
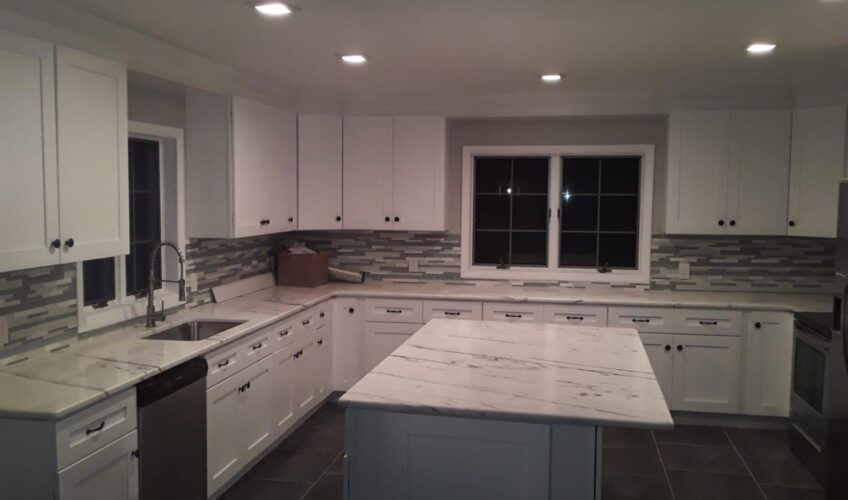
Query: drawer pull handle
column 256, row 347
column 452, row 313
column 244, row 387
column 708, row 323
column 508, row 315
column 321, row 342
column 284, row 333
column 574, row 318
column 305, row 322
column 224, row 363
column 394, row 311
column 97, row 428
column 641, row 320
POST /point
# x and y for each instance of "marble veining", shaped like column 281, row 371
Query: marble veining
column 526, row 372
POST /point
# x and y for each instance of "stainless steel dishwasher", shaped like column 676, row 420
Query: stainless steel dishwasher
column 172, row 433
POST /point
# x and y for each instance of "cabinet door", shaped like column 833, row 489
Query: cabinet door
column 110, row 473
column 758, row 179
column 768, row 363
column 319, row 171
column 659, row 347
column 304, row 377
column 223, row 442
column 323, row 361
column 264, row 168
column 28, row 190
column 698, row 157
column 418, row 194
column 706, row 373
column 347, row 333
column 381, row 339
column 256, row 417
column 817, row 165
column 91, row 111
column 282, row 389
column 367, row 173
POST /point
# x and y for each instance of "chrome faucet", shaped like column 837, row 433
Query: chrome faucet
column 152, row 315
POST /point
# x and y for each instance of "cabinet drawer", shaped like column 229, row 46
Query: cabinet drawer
column 452, row 310
column 643, row 319
column 258, row 345
column 394, row 311
column 91, row 429
column 576, row 315
column 306, row 321
column 708, row 322
column 284, row 333
column 224, row 362
column 512, row 311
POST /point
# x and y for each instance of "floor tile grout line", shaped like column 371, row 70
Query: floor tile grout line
column 751, row 473
column 322, row 474
column 662, row 464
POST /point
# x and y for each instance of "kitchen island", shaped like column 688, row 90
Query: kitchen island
column 476, row 409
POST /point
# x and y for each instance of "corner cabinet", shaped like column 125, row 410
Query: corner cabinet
column 728, row 172
column 63, row 181
column 394, row 172
column 241, row 167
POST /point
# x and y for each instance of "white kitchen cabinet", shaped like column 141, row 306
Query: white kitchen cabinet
column 304, row 376
column 223, row 442
column 659, row 347
column 728, row 172
column 347, row 325
column 110, row 473
column 322, row 365
column 242, row 155
column 381, row 339
column 394, row 173
column 768, row 363
column 319, row 171
column 28, row 176
column 576, row 314
column 817, row 165
column 451, row 309
column 256, row 415
column 283, row 389
column 513, row 311
column 706, row 373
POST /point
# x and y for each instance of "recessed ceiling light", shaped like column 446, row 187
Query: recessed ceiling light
column 354, row 58
column 273, row 8
column 551, row 78
column 760, row 48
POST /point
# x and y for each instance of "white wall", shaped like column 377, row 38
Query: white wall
column 555, row 131
column 153, row 106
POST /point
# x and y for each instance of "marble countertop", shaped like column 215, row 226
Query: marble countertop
column 55, row 382
column 518, row 371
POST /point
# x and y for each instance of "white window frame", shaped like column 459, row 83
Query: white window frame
column 126, row 307
column 552, row 272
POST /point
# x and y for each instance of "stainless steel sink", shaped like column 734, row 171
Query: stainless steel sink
column 194, row 330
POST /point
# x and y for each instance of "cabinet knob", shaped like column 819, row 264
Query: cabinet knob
column 721, row 222
column 350, row 310
column 792, row 223
column 338, row 218
column 732, row 222
column 397, row 219
column 758, row 325
column 291, row 219
column 69, row 243
column 388, row 219
column 680, row 348
column 668, row 348
column 56, row 243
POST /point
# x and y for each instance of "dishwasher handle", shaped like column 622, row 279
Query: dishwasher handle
column 170, row 381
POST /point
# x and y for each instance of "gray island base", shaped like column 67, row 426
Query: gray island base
column 491, row 410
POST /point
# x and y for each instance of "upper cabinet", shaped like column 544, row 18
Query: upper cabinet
column 63, row 173
column 394, row 173
column 818, row 163
column 728, row 172
column 319, row 171
column 241, row 167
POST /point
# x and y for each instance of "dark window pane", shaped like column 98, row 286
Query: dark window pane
column 580, row 213
column 138, row 268
column 530, row 175
column 98, row 277
column 492, row 175
column 620, row 175
column 618, row 250
column 530, row 212
column 144, row 164
column 619, row 213
column 580, row 175
column 491, row 211
column 529, row 249
column 144, row 214
column 491, row 247
column 577, row 249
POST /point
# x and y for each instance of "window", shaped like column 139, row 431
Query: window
column 114, row 289
column 578, row 213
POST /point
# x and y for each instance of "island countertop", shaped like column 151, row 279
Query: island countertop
column 521, row 372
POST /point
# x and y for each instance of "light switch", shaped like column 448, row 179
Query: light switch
column 4, row 330
column 683, row 270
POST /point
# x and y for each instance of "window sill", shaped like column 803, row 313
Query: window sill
column 636, row 277
column 90, row 318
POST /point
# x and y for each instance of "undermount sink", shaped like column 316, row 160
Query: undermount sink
column 194, row 330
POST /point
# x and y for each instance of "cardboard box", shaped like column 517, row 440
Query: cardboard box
column 302, row 269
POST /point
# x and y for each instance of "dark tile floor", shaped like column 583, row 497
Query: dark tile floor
column 688, row 463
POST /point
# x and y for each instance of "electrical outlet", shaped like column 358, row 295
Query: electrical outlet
column 683, row 270
column 412, row 264
column 4, row 330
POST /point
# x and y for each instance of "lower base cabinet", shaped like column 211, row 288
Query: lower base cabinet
column 322, row 374
column 698, row 373
column 304, row 377
column 381, row 339
column 768, row 364
column 282, row 397
column 110, row 473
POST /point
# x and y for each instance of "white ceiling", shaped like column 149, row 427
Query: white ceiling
column 452, row 49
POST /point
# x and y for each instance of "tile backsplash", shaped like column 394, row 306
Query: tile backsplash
column 41, row 303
